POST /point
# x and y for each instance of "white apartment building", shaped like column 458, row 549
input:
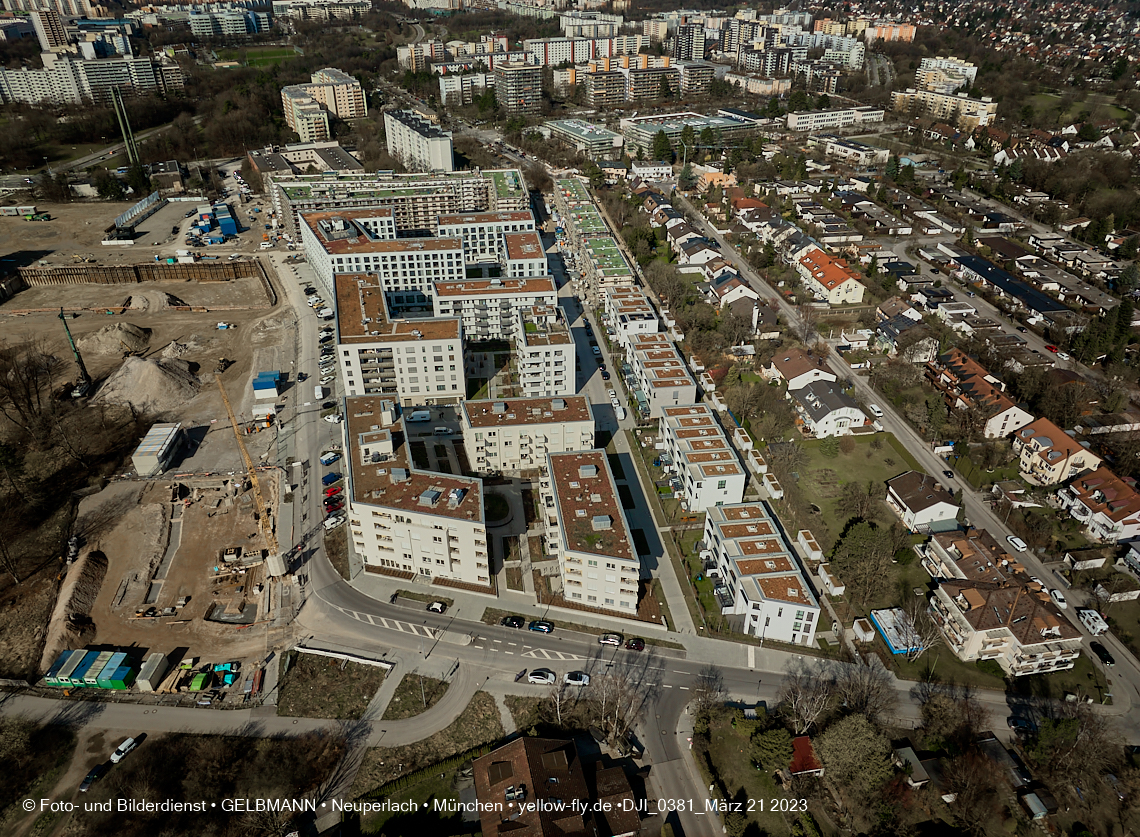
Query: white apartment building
column 832, row 118
column 628, row 311
column 700, row 454
column 334, row 91
column 761, row 578
column 517, row 434
column 321, row 9
column 456, row 89
column 414, row 362
column 228, row 23
column 68, row 79
column 544, row 352
column 484, row 235
column 403, row 519
column 587, row 530
column 957, row 109
column 357, row 242
column 305, row 115
column 417, row 143
column 550, row 52
column 663, row 379
column 945, row 75
column 488, row 308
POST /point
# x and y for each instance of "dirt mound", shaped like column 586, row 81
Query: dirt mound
column 72, row 616
column 120, row 337
column 175, row 349
column 150, row 386
column 152, row 301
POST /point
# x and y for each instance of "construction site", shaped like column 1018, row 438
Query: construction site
column 175, row 564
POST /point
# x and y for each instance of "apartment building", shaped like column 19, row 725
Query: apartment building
column 461, row 89
column 586, row 529
column 416, row 200
column 416, row 57
column 833, row 118
column 64, row 8
column 699, row 453
column 50, row 31
column 945, row 75
column 965, row 384
column 640, row 130
column 1107, row 506
column 402, row 519
column 956, row 109
column 594, row 141
column 518, row 87
column 485, row 239
column 544, row 352
column 579, row 24
column 68, row 79
column 231, row 23
column 988, row 609
column 305, row 115
column 330, row 89
column 830, row 279
column 321, row 9
column 417, row 143
column 628, row 311
column 550, row 52
column 488, row 308
column 1047, row 455
column 759, row 85
column 852, row 152
column 695, row 77
column 413, row 362
column 517, row 434
column 689, row 43
column 661, row 376
column 883, row 30
column 761, row 577
column 604, row 89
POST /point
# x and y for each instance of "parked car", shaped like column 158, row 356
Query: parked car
column 437, row 607
column 332, row 492
column 948, row 474
column 1102, row 654
column 1058, row 598
column 1053, row 349
column 335, row 418
column 1064, row 356
column 542, row 626
column 1021, row 725
column 97, row 772
column 542, row 677
column 334, row 506
column 1017, row 543
column 123, row 749
column 513, row 622
column 610, row 639
column 635, row 644
column 596, row 350
column 576, row 678
column 876, row 410
column 1023, row 329
column 605, row 375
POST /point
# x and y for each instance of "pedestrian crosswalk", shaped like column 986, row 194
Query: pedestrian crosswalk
column 391, row 624
column 543, row 654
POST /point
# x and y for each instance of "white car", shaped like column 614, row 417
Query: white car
column 876, row 410
column 1037, row 581
column 1017, row 543
column 576, row 678
column 327, row 379
column 1064, row 356
column 333, row 522
column 542, row 677
column 123, row 749
column 335, row 418
column 1059, row 598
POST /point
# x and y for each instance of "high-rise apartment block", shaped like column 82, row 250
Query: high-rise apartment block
column 518, row 87
column 417, row 143
column 49, row 30
column 332, row 90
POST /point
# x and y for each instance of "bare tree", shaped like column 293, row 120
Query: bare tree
column 920, row 631
column 744, row 400
column 805, row 323
column 708, row 695
column 805, row 694
column 26, row 373
column 620, row 693
column 970, row 777
column 858, row 500
column 558, row 699
column 867, row 689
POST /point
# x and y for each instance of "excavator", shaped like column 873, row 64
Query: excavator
column 84, row 386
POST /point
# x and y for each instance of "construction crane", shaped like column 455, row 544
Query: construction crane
column 274, row 564
column 84, row 386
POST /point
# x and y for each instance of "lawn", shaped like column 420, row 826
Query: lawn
column 336, row 547
column 323, row 687
column 514, row 578
column 424, row 820
column 1124, row 621
column 1100, row 107
column 258, row 56
column 731, row 761
column 414, row 695
column 822, row 479
column 977, row 477
column 479, row 724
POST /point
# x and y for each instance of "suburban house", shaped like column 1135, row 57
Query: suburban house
column 965, row 384
column 908, row 339
column 797, row 368
column 830, row 279
column 696, row 252
column 652, row 169
column 1107, row 505
column 896, row 307
column 727, row 288
column 714, row 268
column 1049, row 456
column 1012, row 622
column 614, row 170
column 825, row 410
column 680, row 235
column 922, row 503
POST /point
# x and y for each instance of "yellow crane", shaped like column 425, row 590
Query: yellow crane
column 263, row 519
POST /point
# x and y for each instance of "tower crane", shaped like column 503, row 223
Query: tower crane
column 275, row 565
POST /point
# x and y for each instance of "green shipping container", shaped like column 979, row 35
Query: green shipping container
column 122, row 679
column 91, row 678
column 52, row 677
column 117, row 660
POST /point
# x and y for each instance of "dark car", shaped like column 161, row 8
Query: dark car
column 606, row 375
column 542, row 626
column 513, row 621
column 1102, row 654
column 97, row 773
column 635, row 644
column 1023, row 329
column 336, row 505
column 948, row 474
column 174, row 230
column 1021, row 725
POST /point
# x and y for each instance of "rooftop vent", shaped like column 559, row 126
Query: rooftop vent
column 455, row 497
column 499, row 407
column 399, row 474
column 601, row 522
column 430, row 497
column 558, row 404
column 586, row 471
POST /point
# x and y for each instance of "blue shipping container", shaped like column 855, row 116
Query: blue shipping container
column 76, row 678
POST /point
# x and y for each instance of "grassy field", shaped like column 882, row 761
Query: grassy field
column 321, row 687
column 1099, row 106
column 478, row 724
column 424, row 820
column 977, row 477
column 257, row 56
column 1124, row 619
column 414, row 695
column 822, row 479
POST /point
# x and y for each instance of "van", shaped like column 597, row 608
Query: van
column 267, row 245
column 420, row 415
column 330, row 457
column 325, row 313
column 442, row 431
column 318, row 392
column 621, row 413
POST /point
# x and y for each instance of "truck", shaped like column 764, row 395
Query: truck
column 318, row 392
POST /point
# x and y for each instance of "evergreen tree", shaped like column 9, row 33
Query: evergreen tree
column 688, row 136
column 666, row 91
column 824, row 101
column 1126, row 282
column 686, row 179
column 707, row 138
column 773, row 109
column 873, row 267
column 662, row 150
column 892, row 170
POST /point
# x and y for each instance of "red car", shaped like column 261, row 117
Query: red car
column 332, row 492
column 332, row 507
column 1053, row 349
